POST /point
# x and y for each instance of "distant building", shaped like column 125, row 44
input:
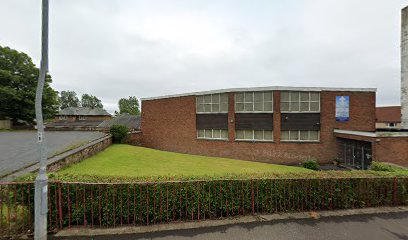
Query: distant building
column 79, row 118
column 130, row 121
column 388, row 117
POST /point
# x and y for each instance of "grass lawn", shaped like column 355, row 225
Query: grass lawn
column 137, row 162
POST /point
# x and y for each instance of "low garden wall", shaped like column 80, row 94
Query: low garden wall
column 78, row 154
column 145, row 203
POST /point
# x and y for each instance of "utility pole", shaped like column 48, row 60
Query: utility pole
column 41, row 182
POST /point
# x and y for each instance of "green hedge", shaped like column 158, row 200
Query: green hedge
column 111, row 205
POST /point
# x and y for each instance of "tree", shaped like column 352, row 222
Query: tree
column 91, row 101
column 18, row 84
column 129, row 105
column 68, row 99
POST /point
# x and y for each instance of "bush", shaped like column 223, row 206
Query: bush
column 311, row 164
column 377, row 166
column 119, row 133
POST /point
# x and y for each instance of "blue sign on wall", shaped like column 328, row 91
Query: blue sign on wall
column 342, row 108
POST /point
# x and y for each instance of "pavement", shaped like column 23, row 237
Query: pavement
column 372, row 224
column 19, row 149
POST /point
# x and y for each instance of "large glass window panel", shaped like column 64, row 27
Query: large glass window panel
column 268, row 135
column 216, row 133
column 239, row 134
column 239, row 107
column 200, row 133
column 315, row 96
column 249, row 134
column 285, row 96
column 258, row 96
column 304, row 106
column 258, row 106
column 315, row 106
column 294, row 106
column 249, row 97
column 304, row 135
column 208, row 133
column 268, row 106
column 239, row 97
column 284, row 106
column 224, row 134
column 294, row 135
column 284, row 135
column 258, row 134
column 224, row 107
column 268, row 96
column 304, row 96
column 249, row 107
column 294, row 96
column 314, row 135
column 216, row 108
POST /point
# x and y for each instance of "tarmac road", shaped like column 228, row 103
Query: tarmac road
column 372, row 227
column 18, row 149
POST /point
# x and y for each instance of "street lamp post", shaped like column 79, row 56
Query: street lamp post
column 41, row 182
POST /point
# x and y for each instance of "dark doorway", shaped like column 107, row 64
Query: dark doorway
column 354, row 154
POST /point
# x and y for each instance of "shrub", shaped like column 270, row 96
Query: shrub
column 378, row 166
column 311, row 164
column 119, row 133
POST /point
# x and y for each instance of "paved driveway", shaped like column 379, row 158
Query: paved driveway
column 20, row 149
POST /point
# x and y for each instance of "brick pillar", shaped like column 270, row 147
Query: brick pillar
column 276, row 117
column 231, row 117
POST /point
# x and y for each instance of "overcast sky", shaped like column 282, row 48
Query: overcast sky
column 118, row 48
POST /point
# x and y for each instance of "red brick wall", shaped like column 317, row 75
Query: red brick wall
column 170, row 124
column 393, row 150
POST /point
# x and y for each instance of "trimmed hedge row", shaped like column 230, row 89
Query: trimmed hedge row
column 110, row 205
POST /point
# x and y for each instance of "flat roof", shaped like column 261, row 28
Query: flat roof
column 372, row 134
column 271, row 88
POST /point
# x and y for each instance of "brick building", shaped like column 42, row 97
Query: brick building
column 273, row 124
column 79, row 118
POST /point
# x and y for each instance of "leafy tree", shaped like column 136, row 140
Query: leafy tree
column 119, row 133
column 68, row 99
column 18, row 85
column 91, row 101
column 129, row 105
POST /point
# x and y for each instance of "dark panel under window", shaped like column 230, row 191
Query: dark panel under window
column 300, row 121
column 212, row 121
column 254, row 121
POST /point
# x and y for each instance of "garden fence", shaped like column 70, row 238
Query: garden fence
column 74, row 204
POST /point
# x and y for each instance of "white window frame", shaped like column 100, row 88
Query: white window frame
column 212, row 134
column 63, row 117
column 391, row 125
column 253, row 136
column 80, row 117
column 253, row 102
column 212, row 103
column 300, row 101
column 298, row 133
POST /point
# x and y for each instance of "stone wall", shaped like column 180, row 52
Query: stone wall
column 78, row 154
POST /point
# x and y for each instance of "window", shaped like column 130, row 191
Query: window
column 212, row 103
column 391, row 124
column 292, row 101
column 254, row 135
column 82, row 117
column 62, row 117
column 300, row 136
column 212, row 134
column 254, row 102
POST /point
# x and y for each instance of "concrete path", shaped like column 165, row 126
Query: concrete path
column 19, row 149
column 373, row 224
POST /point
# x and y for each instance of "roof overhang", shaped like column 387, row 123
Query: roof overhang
column 272, row 88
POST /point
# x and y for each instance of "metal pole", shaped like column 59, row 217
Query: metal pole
column 41, row 182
